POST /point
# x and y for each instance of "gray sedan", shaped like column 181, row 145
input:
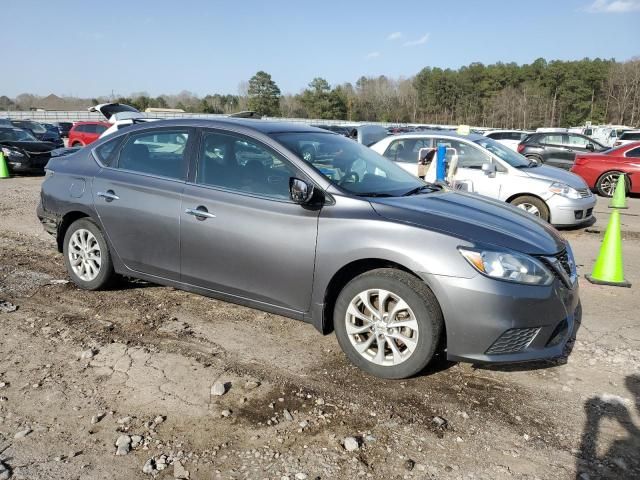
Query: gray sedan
column 345, row 240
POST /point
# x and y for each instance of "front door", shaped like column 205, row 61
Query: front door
column 469, row 175
column 138, row 200
column 240, row 232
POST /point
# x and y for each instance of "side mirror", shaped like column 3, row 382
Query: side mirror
column 300, row 191
column 591, row 147
column 489, row 169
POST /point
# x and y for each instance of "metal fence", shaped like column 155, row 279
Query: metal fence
column 83, row 115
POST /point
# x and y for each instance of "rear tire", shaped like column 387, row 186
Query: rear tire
column 86, row 255
column 363, row 333
column 535, row 158
column 607, row 182
column 532, row 205
column 77, row 144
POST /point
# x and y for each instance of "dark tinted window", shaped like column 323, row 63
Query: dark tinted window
column 161, row 152
column 99, row 129
column 630, row 136
column 81, row 129
column 635, row 153
column 237, row 163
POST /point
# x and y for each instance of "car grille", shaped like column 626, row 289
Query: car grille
column 512, row 341
column 584, row 192
column 563, row 258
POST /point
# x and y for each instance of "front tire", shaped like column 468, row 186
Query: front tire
column 532, row 205
column 86, row 255
column 388, row 323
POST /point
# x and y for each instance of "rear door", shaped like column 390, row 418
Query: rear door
column 556, row 152
column 251, row 240
column 138, row 198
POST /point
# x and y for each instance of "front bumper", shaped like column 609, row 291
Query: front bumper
column 27, row 164
column 494, row 321
column 569, row 212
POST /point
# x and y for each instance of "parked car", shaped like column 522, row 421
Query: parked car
column 609, row 134
column 23, row 152
column 5, row 122
column 63, row 128
column 345, row 130
column 349, row 242
column 509, row 138
column 85, row 133
column 39, row 131
column 602, row 170
column 120, row 116
column 490, row 169
column 626, row 137
column 556, row 148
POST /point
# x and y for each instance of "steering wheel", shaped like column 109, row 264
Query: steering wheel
column 350, row 175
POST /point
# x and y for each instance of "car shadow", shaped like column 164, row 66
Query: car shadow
column 622, row 458
column 589, row 223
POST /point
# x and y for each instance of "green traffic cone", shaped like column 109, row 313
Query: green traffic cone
column 619, row 199
column 608, row 269
column 4, row 170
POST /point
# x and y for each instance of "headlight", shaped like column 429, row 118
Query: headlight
column 10, row 152
column 564, row 190
column 509, row 266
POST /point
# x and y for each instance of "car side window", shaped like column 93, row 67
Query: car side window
column 634, row 153
column 553, row 139
column 576, row 141
column 406, row 150
column 100, row 129
column 238, row 163
column 107, row 152
column 161, row 152
column 468, row 155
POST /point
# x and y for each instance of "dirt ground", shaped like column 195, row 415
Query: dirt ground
column 81, row 371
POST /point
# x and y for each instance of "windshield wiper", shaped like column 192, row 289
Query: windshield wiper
column 374, row 194
column 419, row 189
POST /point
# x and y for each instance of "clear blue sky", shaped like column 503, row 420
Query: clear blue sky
column 89, row 48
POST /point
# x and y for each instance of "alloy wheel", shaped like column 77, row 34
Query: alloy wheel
column 530, row 208
column 381, row 327
column 608, row 183
column 84, row 255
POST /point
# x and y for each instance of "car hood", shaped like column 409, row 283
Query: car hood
column 116, row 111
column 545, row 172
column 31, row 147
column 478, row 220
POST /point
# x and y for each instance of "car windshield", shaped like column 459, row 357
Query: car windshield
column 504, row 153
column 34, row 126
column 350, row 165
column 15, row 135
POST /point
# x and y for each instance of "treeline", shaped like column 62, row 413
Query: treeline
column 556, row 93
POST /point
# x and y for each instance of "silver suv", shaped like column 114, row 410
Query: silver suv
column 346, row 240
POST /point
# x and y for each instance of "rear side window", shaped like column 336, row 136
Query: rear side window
column 100, row 129
column 635, row 153
column 406, row 151
column 107, row 152
column 161, row 153
column 552, row 139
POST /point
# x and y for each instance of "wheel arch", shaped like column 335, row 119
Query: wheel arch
column 66, row 221
column 614, row 170
column 344, row 275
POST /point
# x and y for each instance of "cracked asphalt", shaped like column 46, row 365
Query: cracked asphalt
column 79, row 369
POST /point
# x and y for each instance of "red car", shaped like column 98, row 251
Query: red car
column 84, row 133
column 601, row 170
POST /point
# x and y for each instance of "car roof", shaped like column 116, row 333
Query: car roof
column 261, row 126
column 440, row 133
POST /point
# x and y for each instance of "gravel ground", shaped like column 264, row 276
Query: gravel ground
column 144, row 381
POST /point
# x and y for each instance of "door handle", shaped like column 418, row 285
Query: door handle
column 109, row 195
column 201, row 212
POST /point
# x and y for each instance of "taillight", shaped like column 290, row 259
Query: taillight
column 580, row 161
column 617, row 144
column 520, row 147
